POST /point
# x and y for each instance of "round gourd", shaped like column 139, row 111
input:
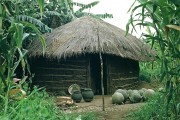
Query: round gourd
column 148, row 93
column 151, row 90
column 161, row 89
column 133, row 91
column 144, row 89
column 125, row 90
column 141, row 92
column 129, row 91
column 124, row 93
column 117, row 98
column 135, row 97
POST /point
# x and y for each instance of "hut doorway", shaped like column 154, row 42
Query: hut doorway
column 95, row 73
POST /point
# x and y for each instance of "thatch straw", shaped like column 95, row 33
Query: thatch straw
column 81, row 37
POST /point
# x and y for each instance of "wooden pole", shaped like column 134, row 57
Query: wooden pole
column 102, row 83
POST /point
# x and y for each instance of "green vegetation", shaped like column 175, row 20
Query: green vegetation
column 155, row 109
column 149, row 72
column 21, row 22
column 82, row 116
column 36, row 106
column 162, row 20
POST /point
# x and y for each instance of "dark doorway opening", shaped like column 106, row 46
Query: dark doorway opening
column 105, row 80
column 95, row 72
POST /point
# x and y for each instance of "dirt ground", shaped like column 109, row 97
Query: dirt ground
column 112, row 112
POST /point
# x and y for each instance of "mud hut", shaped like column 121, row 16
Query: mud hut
column 72, row 57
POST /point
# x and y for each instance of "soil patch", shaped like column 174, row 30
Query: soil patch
column 112, row 112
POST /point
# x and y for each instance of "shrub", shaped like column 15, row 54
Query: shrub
column 37, row 106
column 155, row 109
column 148, row 74
column 144, row 76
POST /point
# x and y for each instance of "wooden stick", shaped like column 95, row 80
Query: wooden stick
column 102, row 83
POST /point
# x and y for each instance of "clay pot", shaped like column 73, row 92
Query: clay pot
column 76, row 96
column 87, row 94
column 117, row 98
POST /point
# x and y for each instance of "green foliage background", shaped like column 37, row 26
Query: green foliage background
column 21, row 22
column 162, row 20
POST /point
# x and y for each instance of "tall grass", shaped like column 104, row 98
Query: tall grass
column 149, row 71
column 38, row 105
column 155, row 109
column 78, row 116
column 161, row 19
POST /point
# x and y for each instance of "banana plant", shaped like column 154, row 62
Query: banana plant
column 60, row 12
column 80, row 12
column 15, row 29
column 57, row 13
column 17, row 26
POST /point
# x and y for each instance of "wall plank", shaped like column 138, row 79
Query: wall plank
column 57, row 75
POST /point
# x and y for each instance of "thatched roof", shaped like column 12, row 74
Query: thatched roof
column 81, row 36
